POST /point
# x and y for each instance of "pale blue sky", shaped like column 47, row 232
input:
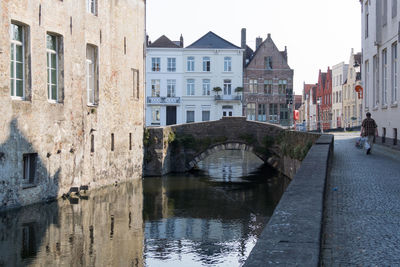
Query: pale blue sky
column 317, row 33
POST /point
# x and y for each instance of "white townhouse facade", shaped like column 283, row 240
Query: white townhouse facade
column 164, row 82
column 339, row 74
column 310, row 106
column 212, row 62
column 380, row 79
column 180, row 81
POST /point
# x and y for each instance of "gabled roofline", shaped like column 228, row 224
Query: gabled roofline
column 236, row 47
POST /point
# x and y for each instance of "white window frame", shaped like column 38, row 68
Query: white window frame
column 155, row 115
column 155, row 64
column 171, row 88
column 190, row 64
column 375, row 87
column 91, row 70
column 262, row 112
column 253, row 86
column 384, row 76
column 171, row 64
column 206, row 64
column 49, row 53
column 251, row 111
column 268, row 88
column 203, row 112
column 227, row 64
column 227, row 87
column 91, row 6
column 190, row 87
column 155, row 87
column 187, row 117
column 282, row 85
column 394, row 73
column 14, row 44
column 206, row 87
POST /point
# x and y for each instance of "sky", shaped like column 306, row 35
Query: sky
column 317, row 33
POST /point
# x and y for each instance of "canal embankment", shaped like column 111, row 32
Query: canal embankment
column 293, row 234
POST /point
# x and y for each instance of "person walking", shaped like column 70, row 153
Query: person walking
column 369, row 129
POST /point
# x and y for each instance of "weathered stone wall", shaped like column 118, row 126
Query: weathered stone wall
column 176, row 148
column 60, row 133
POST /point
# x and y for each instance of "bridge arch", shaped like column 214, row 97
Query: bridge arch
column 230, row 145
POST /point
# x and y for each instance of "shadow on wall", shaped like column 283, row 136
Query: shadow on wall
column 24, row 177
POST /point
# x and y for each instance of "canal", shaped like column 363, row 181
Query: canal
column 210, row 217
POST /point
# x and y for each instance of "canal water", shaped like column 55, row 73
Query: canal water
column 210, row 217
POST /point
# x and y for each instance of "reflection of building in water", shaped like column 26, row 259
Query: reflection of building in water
column 194, row 229
column 106, row 230
column 229, row 165
column 194, row 215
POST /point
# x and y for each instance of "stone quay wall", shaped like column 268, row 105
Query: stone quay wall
column 74, row 143
column 292, row 236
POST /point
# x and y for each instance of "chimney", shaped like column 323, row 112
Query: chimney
column 243, row 39
column 243, row 45
column 259, row 40
column 269, row 36
column 181, row 41
column 147, row 40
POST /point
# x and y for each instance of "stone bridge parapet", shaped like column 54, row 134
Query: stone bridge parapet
column 179, row 148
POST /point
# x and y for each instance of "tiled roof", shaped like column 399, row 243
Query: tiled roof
column 163, row 42
column 211, row 40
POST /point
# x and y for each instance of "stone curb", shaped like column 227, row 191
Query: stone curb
column 292, row 237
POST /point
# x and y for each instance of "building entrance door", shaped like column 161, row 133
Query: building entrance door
column 171, row 115
column 227, row 111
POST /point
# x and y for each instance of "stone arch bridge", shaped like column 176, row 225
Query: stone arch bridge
column 178, row 148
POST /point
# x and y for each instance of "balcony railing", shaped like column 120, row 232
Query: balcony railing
column 228, row 97
column 163, row 100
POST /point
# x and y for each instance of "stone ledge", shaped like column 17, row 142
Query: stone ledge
column 292, row 237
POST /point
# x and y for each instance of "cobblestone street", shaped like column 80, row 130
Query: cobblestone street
column 362, row 207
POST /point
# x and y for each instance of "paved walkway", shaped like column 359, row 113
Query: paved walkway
column 362, row 208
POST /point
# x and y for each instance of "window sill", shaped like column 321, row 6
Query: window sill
column 393, row 105
column 384, row 106
column 27, row 186
column 17, row 98
column 53, row 102
column 92, row 105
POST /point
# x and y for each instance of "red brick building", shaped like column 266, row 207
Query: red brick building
column 324, row 99
column 267, row 83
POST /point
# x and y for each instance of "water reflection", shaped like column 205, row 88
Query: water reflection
column 211, row 218
column 208, row 218
column 105, row 230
